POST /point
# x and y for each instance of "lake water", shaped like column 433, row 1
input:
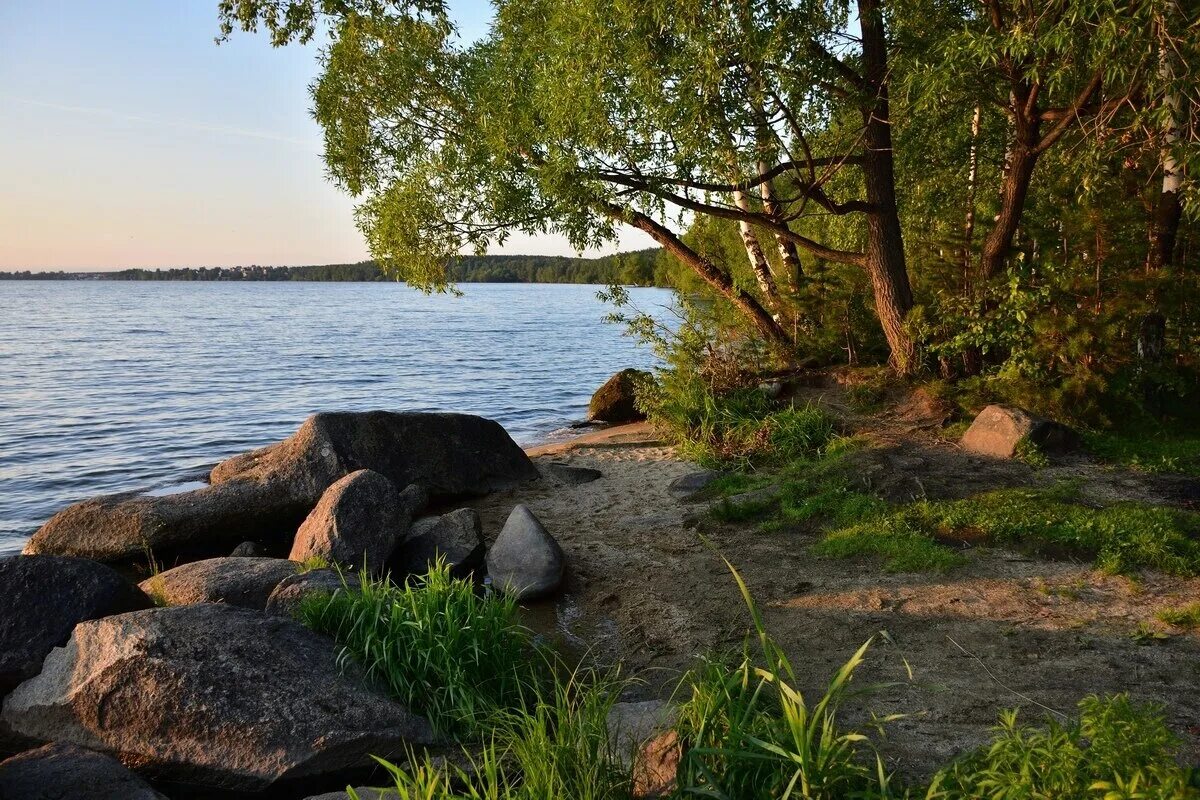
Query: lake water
column 114, row 386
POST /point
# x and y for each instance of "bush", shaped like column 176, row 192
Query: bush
column 434, row 645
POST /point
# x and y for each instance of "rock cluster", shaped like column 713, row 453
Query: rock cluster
column 218, row 686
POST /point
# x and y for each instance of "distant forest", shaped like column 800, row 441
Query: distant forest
column 640, row 267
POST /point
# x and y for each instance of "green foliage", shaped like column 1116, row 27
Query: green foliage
column 1122, row 539
column 312, row 563
column 435, row 645
column 1116, row 751
column 1185, row 616
column 1149, row 448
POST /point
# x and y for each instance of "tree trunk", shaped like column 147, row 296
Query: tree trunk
column 720, row 280
column 885, row 243
column 789, row 257
column 1022, row 158
column 758, row 259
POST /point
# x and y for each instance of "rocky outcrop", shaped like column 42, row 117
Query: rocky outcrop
column 358, row 521
column 237, row 580
column 67, row 772
column 265, row 494
column 615, row 401
column 286, row 598
column 999, row 431
column 42, row 598
column 456, row 538
column 213, row 695
column 525, row 560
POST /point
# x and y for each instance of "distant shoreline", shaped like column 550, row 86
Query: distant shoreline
column 639, row 268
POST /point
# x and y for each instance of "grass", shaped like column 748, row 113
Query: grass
column 1119, row 539
column 747, row 733
column 1184, row 617
column 311, row 564
column 1149, row 449
column 436, row 646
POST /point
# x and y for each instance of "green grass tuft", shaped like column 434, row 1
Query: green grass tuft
column 435, row 645
column 1185, row 616
column 1149, row 450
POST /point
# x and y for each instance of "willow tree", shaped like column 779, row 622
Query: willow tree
column 575, row 116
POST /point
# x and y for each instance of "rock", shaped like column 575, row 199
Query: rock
column 525, row 559
column 264, row 495
column 212, row 695
column 236, row 580
column 772, row 390
column 886, row 473
column 42, row 598
column 641, row 736
column 451, row 455
column 457, row 537
column 363, row 792
column 285, row 599
column 999, row 429
column 68, row 772
column 357, row 522
column 614, row 401
column 559, row 474
column 690, row 488
column 248, row 550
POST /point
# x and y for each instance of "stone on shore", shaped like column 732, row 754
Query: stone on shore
column 43, row 598
column 69, row 772
column 525, row 560
column 358, row 522
column 212, row 695
column 264, row 495
column 559, row 474
column 615, row 401
column 998, row 431
column 691, row 488
column 641, row 736
column 363, row 792
column 457, row 538
column 236, row 580
column 286, row 598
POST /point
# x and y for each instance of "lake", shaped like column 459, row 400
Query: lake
column 116, row 386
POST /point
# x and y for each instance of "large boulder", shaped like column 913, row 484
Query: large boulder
column 43, row 598
column 263, row 495
column 999, row 431
column 525, row 560
column 358, row 521
column 237, row 580
column 286, row 598
column 68, row 772
column 213, row 695
column 615, row 401
column 457, row 538
column 451, row 455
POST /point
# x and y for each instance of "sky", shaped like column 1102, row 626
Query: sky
column 128, row 138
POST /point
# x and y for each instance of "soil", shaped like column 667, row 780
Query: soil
column 645, row 591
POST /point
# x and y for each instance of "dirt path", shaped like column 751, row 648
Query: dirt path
column 1003, row 631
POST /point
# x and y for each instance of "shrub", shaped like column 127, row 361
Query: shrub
column 435, row 645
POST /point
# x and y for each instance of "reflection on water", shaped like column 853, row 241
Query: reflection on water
column 108, row 387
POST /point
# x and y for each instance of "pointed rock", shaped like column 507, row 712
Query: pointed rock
column 526, row 560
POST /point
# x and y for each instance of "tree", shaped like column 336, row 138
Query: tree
column 576, row 115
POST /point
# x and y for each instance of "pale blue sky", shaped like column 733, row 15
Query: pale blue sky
column 129, row 139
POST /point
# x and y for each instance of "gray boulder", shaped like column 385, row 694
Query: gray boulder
column 525, row 560
column 456, row 537
column 236, row 580
column 615, row 400
column 641, row 735
column 691, row 487
column 357, row 522
column 248, row 550
column 43, row 598
column 68, row 772
column 212, row 695
column 286, row 598
column 363, row 792
column 559, row 474
column 998, row 431
column 263, row 495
